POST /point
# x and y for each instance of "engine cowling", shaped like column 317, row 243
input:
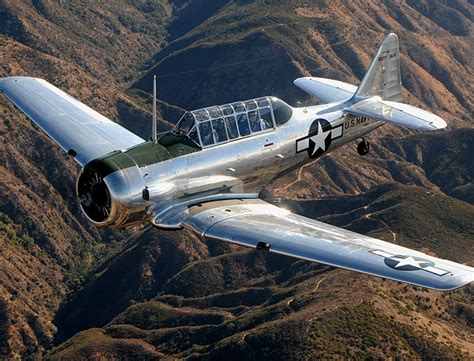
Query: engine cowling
column 111, row 196
column 94, row 196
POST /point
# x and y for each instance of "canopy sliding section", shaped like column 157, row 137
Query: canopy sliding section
column 224, row 123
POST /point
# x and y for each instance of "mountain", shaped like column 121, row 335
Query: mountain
column 68, row 290
column 267, row 305
column 244, row 43
column 47, row 244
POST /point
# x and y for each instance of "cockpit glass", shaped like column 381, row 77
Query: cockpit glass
column 227, row 109
column 250, row 104
column 263, row 102
column 243, row 123
column 266, row 121
column 220, row 124
column 231, row 127
column 238, row 107
column 215, row 112
column 219, row 130
column 205, row 130
column 185, row 124
column 254, row 121
column 281, row 111
column 193, row 135
column 201, row 115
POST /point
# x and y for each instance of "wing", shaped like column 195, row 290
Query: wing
column 326, row 90
column 397, row 113
column 79, row 130
column 257, row 224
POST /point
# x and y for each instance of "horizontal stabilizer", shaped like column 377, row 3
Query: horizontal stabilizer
column 326, row 90
column 397, row 113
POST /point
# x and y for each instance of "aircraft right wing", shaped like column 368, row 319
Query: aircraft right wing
column 257, row 224
column 76, row 128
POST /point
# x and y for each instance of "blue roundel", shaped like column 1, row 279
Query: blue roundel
column 407, row 263
column 319, row 137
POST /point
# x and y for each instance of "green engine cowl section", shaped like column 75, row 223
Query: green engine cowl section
column 111, row 189
column 168, row 146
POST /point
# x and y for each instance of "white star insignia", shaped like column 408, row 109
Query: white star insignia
column 319, row 139
column 418, row 264
column 409, row 261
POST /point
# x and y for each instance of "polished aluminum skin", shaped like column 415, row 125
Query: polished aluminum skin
column 76, row 128
column 237, row 169
column 212, row 187
column 293, row 235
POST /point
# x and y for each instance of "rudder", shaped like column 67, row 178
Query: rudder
column 383, row 76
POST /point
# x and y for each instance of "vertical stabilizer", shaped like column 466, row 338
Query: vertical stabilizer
column 383, row 76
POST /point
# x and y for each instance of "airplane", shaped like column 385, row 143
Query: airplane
column 206, row 174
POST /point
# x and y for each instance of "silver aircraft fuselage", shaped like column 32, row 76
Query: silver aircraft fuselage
column 240, row 168
column 208, row 171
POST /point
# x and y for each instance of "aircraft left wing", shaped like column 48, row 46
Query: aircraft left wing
column 78, row 129
column 257, row 224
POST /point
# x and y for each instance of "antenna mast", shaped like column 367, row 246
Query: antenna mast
column 154, row 135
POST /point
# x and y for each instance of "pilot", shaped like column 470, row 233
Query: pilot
column 219, row 130
column 231, row 127
column 243, row 124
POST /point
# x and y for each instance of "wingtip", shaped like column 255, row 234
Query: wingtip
column 457, row 281
column 300, row 80
column 391, row 37
column 436, row 123
column 4, row 82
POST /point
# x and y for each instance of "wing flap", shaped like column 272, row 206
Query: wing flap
column 326, row 90
column 70, row 123
column 397, row 113
column 249, row 222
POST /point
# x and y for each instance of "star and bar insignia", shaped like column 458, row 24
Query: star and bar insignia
column 409, row 263
column 319, row 138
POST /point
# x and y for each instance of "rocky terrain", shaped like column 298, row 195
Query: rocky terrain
column 68, row 290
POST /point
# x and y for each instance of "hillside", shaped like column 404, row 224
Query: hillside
column 246, row 42
column 271, row 306
column 47, row 245
column 156, row 294
column 440, row 160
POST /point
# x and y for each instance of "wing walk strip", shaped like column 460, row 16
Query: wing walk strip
column 251, row 222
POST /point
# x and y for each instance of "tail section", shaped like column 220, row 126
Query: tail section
column 379, row 95
column 383, row 76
